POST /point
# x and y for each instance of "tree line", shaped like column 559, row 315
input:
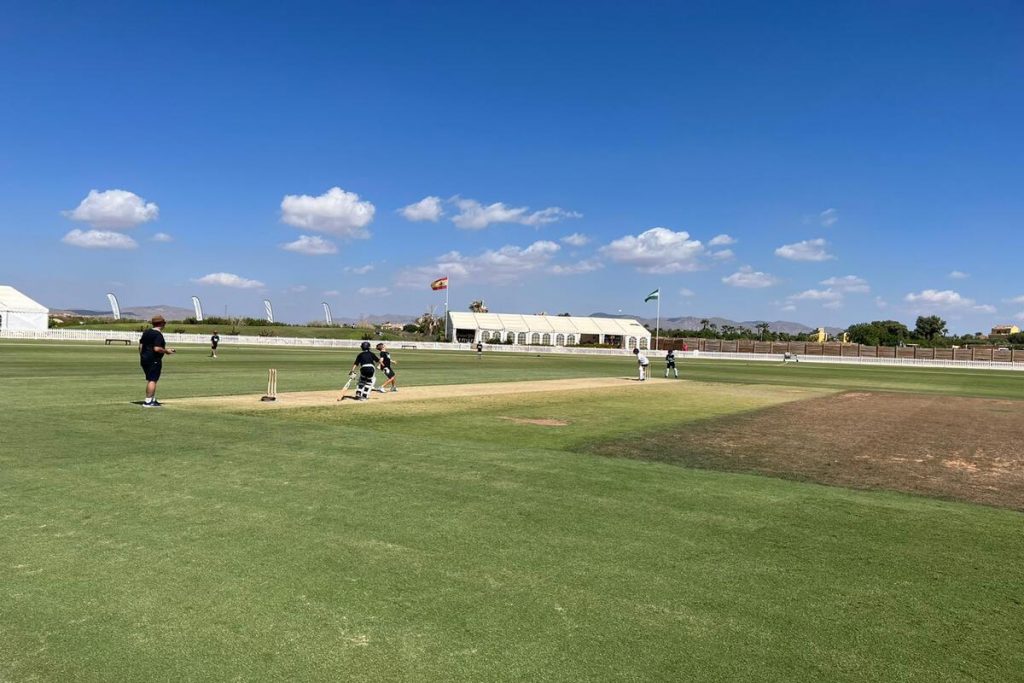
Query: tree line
column 928, row 330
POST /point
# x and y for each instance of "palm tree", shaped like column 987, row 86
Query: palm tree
column 704, row 324
column 478, row 306
column 763, row 328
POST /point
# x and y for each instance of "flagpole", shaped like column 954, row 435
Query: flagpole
column 447, row 293
column 657, row 324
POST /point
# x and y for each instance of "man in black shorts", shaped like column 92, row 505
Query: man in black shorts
column 152, row 350
column 479, row 350
column 214, row 342
column 385, row 367
column 365, row 364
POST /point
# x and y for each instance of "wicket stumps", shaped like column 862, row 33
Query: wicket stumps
column 271, row 386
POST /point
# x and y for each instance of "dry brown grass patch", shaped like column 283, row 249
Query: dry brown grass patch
column 961, row 448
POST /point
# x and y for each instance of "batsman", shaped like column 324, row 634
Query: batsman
column 365, row 364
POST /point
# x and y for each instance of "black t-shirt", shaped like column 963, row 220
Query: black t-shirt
column 150, row 339
column 215, row 339
column 670, row 357
column 479, row 346
column 366, row 358
column 385, row 359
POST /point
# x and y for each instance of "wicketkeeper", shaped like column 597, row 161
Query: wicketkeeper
column 670, row 363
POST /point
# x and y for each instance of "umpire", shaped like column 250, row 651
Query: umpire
column 152, row 349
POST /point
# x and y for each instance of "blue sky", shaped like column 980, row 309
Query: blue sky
column 855, row 162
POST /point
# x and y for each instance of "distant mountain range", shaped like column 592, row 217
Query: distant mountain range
column 179, row 313
column 132, row 313
column 690, row 322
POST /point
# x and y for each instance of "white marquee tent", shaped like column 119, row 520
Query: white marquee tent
column 546, row 330
column 20, row 313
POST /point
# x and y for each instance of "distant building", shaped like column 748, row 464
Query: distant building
column 394, row 327
column 1004, row 330
column 18, row 313
column 546, row 330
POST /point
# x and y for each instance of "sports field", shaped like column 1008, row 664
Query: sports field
column 751, row 521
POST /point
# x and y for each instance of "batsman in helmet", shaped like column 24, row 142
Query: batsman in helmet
column 365, row 365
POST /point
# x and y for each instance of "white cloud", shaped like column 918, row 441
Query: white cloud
column 505, row 265
column 686, row 293
column 658, row 250
column 1020, row 316
column 958, row 275
column 426, row 209
column 807, row 250
column 722, row 254
column 817, row 295
column 789, row 307
column 1015, row 300
column 99, row 239
column 851, row 284
column 296, row 289
column 721, row 241
column 881, row 303
column 373, row 291
column 359, row 270
column 829, row 298
column 749, row 278
column 332, row 292
column 947, row 299
column 312, row 245
column 228, row 280
column 162, row 237
column 828, row 218
column 576, row 240
column 475, row 216
column 114, row 209
column 585, row 266
column 335, row 212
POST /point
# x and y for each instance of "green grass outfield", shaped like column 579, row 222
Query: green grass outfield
column 442, row 541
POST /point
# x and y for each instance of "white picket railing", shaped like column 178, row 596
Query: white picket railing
column 203, row 339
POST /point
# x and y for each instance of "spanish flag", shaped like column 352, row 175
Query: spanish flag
column 439, row 283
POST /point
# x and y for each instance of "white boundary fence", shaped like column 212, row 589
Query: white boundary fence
column 203, row 339
column 305, row 342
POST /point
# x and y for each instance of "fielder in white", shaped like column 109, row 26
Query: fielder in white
column 642, row 363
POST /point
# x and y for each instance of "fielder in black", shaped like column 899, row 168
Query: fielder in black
column 385, row 367
column 152, row 349
column 670, row 363
column 365, row 364
column 214, row 343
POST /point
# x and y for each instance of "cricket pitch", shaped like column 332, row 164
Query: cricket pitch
column 306, row 399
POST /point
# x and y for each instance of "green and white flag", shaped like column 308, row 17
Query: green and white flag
column 656, row 294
